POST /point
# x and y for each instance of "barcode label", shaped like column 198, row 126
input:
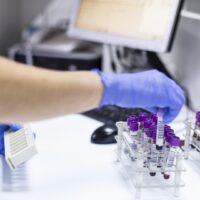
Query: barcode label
column 160, row 132
column 17, row 142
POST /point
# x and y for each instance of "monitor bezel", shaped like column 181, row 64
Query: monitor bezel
column 108, row 38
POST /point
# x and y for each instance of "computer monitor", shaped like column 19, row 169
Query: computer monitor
column 140, row 24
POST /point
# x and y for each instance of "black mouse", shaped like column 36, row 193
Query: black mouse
column 104, row 134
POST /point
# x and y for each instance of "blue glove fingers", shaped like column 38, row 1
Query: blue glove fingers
column 152, row 110
column 150, row 89
column 177, row 93
column 15, row 127
column 3, row 127
column 169, row 114
column 168, row 95
column 176, row 102
column 2, row 149
column 167, row 118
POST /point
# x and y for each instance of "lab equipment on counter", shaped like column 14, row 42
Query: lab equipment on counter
column 147, row 162
column 19, row 146
column 192, row 137
column 196, row 135
column 58, row 52
column 104, row 134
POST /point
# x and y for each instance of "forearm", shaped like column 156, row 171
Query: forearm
column 28, row 94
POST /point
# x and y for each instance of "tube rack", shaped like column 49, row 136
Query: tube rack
column 135, row 164
column 190, row 145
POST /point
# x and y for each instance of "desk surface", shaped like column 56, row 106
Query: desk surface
column 68, row 166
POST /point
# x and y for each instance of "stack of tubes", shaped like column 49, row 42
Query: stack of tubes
column 157, row 140
column 196, row 134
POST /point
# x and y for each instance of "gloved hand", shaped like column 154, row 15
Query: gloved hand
column 3, row 128
column 149, row 90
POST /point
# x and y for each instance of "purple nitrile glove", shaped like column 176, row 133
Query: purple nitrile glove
column 149, row 90
column 3, row 128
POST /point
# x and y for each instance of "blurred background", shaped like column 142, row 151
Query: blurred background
column 18, row 17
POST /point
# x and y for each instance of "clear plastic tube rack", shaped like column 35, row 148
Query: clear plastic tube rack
column 147, row 164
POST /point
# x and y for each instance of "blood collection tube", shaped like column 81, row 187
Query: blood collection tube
column 196, row 134
column 154, row 118
column 148, row 147
column 169, row 133
column 147, row 126
column 153, row 159
column 198, row 139
column 134, row 127
column 164, row 151
column 132, row 118
column 198, row 129
column 141, row 118
column 160, row 131
column 174, row 144
column 166, row 127
column 146, row 140
column 194, row 139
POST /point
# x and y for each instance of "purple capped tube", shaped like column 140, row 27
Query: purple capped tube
column 142, row 116
column 133, row 127
column 197, row 124
column 132, row 118
column 153, row 159
column 174, row 143
column 147, row 123
column 154, row 118
column 196, row 134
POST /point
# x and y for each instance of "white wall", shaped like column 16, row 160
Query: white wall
column 55, row 11
column 14, row 16
column 9, row 23
column 184, row 60
column 30, row 10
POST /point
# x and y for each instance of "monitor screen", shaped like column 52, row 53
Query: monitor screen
column 139, row 24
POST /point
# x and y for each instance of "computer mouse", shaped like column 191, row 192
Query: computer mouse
column 104, row 134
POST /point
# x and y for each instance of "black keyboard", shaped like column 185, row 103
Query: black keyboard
column 112, row 114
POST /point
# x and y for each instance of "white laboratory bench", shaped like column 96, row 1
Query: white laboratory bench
column 69, row 167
